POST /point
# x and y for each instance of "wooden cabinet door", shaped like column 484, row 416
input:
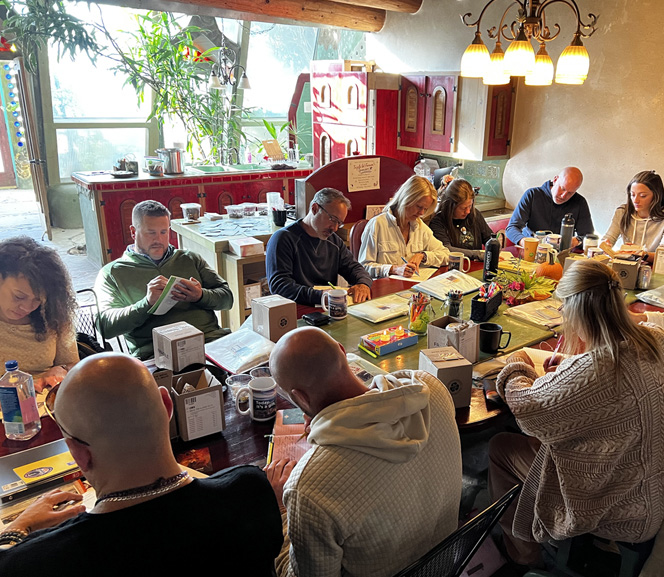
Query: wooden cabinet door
column 411, row 122
column 439, row 113
column 500, row 120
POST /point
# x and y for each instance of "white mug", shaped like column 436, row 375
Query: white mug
column 553, row 239
column 337, row 303
column 262, row 393
column 457, row 260
column 543, row 250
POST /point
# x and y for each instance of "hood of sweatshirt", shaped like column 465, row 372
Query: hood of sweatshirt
column 390, row 421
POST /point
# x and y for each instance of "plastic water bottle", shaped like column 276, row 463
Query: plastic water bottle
column 566, row 231
column 422, row 169
column 491, row 258
column 19, row 404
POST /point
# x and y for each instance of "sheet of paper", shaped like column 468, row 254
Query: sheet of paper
column 166, row 301
column 291, row 447
column 541, row 313
column 439, row 286
column 381, row 309
column 424, row 274
column 363, row 174
column 538, row 356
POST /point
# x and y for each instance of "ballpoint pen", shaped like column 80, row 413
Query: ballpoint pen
column 406, row 262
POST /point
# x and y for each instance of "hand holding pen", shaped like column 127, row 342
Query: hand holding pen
column 551, row 364
column 410, row 268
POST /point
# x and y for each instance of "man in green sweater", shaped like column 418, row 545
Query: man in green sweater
column 128, row 287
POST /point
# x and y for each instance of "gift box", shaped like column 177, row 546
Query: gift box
column 388, row 340
column 466, row 339
column 452, row 369
column 482, row 309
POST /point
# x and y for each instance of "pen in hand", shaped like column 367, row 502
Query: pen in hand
column 409, row 263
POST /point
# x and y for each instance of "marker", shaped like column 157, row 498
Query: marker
column 331, row 285
column 368, row 351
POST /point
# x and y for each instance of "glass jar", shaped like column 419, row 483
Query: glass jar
column 420, row 313
column 453, row 304
column 643, row 280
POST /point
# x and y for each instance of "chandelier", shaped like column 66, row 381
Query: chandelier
column 226, row 73
column 520, row 59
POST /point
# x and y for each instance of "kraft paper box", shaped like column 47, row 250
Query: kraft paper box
column 200, row 412
column 628, row 271
column 164, row 378
column 466, row 341
column 273, row 316
column 448, row 366
column 572, row 258
column 245, row 246
column 178, row 345
column 252, row 290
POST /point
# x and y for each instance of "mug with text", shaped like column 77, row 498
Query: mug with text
column 554, row 240
column 262, row 393
column 540, row 235
column 543, row 251
column 335, row 303
column 490, row 336
column 457, row 260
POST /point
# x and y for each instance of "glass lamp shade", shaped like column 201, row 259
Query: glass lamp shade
column 542, row 73
column 496, row 74
column 520, row 56
column 573, row 64
column 475, row 60
column 244, row 83
column 214, row 82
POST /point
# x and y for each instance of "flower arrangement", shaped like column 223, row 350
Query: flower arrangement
column 522, row 286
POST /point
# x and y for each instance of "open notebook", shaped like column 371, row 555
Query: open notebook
column 383, row 308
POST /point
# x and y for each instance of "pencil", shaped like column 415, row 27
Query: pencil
column 368, row 351
column 331, row 285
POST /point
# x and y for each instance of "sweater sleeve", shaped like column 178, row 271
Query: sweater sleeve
column 518, row 225
column 217, row 295
column 584, row 223
column 368, row 255
column 613, row 234
column 116, row 317
column 351, row 269
column 436, row 252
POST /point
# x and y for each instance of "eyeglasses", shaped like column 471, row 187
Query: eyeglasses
column 334, row 219
column 49, row 404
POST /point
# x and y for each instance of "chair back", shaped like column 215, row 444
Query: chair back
column 450, row 557
column 356, row 236
column 87, row 318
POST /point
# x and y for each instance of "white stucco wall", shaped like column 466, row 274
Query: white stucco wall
column 611, row 127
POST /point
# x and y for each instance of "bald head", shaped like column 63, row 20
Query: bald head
column 111, row 402
column 565, row 184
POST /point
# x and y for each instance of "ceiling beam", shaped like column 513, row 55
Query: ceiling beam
column 409, row 6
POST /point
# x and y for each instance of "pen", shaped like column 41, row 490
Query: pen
column 405, row 261
column 555, row 351
column 331, row 285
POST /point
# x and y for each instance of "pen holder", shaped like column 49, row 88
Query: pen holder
column 482, row 310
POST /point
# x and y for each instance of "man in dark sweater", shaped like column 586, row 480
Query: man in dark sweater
column 151, row 517
column 308, row 253
column 543, row 208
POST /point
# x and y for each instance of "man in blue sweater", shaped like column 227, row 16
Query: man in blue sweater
column 544, row 207
column 308, row 253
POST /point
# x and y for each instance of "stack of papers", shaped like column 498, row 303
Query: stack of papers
column 383, row 308
column 653, row 297
column 541, row 313
column 439, row 286
column 166, row 301
column 424, row 274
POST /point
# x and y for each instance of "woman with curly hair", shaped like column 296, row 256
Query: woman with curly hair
column 37, row 311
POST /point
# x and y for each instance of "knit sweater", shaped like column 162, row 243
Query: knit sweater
column 121, row 287
column 471, row 237
column 600, row 468
column 381, row 485
column 383, row 245
column 642, row 231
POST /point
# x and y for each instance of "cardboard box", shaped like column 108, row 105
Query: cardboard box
column 245, row 246
column 252, row 290
column 572, row 258
column 178, row 345
column 467, row 342
column 273, row 316
column 448, row 366
column 200, row 412
column 628, row 271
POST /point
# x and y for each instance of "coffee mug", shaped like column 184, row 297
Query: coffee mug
column 262, row 393
column 554, row 240
column 456, row 262
column 335, row 302
column 279, row 217
column 530, row 249
column 543, row 251
column 490, row 336
column 540, row 235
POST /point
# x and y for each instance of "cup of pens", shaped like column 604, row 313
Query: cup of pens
column 420, row 313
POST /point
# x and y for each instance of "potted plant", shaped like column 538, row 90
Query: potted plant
column 521, row 286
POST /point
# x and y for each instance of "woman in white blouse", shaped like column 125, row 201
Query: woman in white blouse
column 398, row 233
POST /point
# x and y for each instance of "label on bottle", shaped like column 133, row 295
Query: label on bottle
column 11, row 411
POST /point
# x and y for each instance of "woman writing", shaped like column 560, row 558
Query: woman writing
column 458, row 224
column 399, row 234
column 37, row 310
column 592, row 461
column 640, row 220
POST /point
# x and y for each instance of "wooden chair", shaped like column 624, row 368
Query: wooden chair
column 356, row 236
column 450, row 557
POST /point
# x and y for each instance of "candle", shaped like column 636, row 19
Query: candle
column 399, row 331
column 385, row 337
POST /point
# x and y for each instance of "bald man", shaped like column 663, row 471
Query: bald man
column 150, row 518
column 382, row 483
column 544, row 207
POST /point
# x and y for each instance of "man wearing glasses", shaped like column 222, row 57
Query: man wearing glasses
column 308, row 253
column 128, row 287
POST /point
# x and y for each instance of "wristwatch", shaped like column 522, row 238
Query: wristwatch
column 424, row 258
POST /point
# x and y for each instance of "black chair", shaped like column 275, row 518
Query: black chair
column 87, row 317
column 450, row 557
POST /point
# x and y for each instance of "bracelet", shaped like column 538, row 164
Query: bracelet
column 13, row 537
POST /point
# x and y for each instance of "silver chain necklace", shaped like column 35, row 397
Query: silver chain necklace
column 160, row 486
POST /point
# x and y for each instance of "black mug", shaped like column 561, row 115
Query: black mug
column 490, row 337
column 279, row 217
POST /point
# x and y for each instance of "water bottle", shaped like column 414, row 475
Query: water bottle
column 491, row 257
column 422, row 169
column 566, row 231
column 19, row 404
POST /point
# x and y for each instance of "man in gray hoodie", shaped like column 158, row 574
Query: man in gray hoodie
column 382, row 482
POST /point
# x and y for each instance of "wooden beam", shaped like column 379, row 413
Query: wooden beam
column 316, row 12
column 409, row 6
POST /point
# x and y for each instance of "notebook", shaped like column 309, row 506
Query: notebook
column 383, row 308
column 439, row 286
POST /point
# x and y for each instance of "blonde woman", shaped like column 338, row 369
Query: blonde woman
column 398, row 233
column 592, row 460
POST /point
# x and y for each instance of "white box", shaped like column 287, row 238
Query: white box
column 467, row 342
column 178, row 345
column 200, row 412
column 273, row 316
column 245, row 246
column 252, row 290
column 455, row 373
column 628, row 271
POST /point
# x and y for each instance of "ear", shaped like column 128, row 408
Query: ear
column 554, row 179
column 342, row 348
column 132, row 229
column 81, row 454
column 301, row 399
column 166, row 399
column 315, row 208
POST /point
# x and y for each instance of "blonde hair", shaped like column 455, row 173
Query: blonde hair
column 409, row 194
column 594, row 308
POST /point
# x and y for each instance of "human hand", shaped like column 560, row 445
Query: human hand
column 551, row 364
column 407, row 270
column 360, row 293
column 520, row 357
column 41, row 513
column 188, row 290
column 155, row 287
column 575, row 242
column 50, row 378
column 639, row 317
column 416, row 260
column 278, row 473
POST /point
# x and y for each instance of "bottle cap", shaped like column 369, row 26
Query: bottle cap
column 11, row 365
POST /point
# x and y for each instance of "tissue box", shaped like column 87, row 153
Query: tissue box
column 628, row 271
column 466, row 341
column 483, row 310
column 448, row 366
column 273, row 316
column 245, row 246
column 200, row 412
column 178, row 345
